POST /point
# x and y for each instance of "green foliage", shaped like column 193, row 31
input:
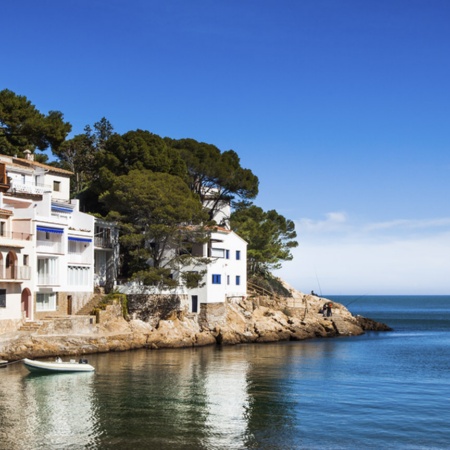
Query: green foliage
column 155, row 276
column 108, row 300
column 79, row 154
column 158, row 214
column 269, row 235
column 23, row 127
column 214, row 176
column 269, row 283
column 193, row 279
column 140, row 150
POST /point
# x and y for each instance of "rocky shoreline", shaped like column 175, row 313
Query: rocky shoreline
column 254, row 320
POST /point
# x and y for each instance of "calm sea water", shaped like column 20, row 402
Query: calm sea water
column 377, row 391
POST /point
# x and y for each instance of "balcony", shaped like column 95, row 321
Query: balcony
column 29, row 188
column 15, row 273
column 16, row 235
column 48, row 246
column 45, row 279
column 79, row 258
column 102, row 242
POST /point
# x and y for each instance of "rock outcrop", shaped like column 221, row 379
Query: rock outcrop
column 255, row 319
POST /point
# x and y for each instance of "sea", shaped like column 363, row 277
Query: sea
column 385, row 390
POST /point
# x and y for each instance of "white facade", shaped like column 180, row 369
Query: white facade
column 226, row 273
column 51, row 243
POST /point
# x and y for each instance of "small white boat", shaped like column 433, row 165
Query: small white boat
column 57, row 366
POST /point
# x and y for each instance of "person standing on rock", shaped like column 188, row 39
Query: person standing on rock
column 329, row 312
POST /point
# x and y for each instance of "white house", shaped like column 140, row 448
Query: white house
column 48, row 246
column 226, row 273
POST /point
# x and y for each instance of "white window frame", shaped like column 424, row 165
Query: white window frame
column 45, row 301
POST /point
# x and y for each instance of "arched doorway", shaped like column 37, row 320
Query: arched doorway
column 26, row 303
column 11, row 265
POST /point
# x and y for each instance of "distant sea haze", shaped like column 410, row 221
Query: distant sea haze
column 386, row 390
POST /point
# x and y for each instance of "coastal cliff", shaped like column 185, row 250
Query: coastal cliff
column 255, row 319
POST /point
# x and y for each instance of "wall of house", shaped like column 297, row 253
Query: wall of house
column 59, row 182
column 220, row 280
column 12, row 310
column 79, row 299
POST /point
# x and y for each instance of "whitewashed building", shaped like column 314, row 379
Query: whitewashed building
column 52, row 255
column 226, row 273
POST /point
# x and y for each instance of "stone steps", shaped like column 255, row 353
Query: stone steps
column 31, row 326
column 90, row 305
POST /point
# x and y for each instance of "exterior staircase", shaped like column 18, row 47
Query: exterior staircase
column 31, row 327
column 90, row 305
column 253, row 290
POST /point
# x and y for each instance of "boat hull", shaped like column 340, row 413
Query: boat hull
column 56, row 367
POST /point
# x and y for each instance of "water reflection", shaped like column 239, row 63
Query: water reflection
column 46, row 411
column 232, row 397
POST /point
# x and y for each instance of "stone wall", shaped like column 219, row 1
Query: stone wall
column 152, row 308
column 8, row 325
column 68, row 325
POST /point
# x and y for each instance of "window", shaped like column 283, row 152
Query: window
column 238, row 254
column 227, row 254
column 228, row 279
column 25, row 260
column 216, row 279
column 47, row 269
column 2, row 228
column 238, row 280
column 46, row 302
column 2, row 298
column 78, row 276
column 57, row 186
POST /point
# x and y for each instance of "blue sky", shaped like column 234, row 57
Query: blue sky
column 340, row 107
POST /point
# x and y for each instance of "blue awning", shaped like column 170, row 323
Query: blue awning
column 61, row 209
column 50, row 230
column 78, row 239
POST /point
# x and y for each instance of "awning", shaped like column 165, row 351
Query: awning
column 50, row 230
column 61, row 209
column 78, row 239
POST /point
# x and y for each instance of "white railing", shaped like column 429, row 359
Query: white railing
column 15, row 272
column 82, row 258
column 49, row 247
column 29, row 188
column 46, row 279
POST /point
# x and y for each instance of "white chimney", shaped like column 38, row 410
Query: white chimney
column 28, row 155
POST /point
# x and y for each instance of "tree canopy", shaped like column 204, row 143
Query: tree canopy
column 157, row 213
column 23, row 127
column 215, row 176
column 78, row 154
column 160, row 189
column 270, row 236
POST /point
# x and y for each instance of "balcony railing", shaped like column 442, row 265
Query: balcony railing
column 80, row 258
column 45, row 279
column 49, row 246
column 16, row 235
column 29, row 188
column 15, row 272
column 102, row 242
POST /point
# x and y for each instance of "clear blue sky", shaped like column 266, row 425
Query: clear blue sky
column 340, row 107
